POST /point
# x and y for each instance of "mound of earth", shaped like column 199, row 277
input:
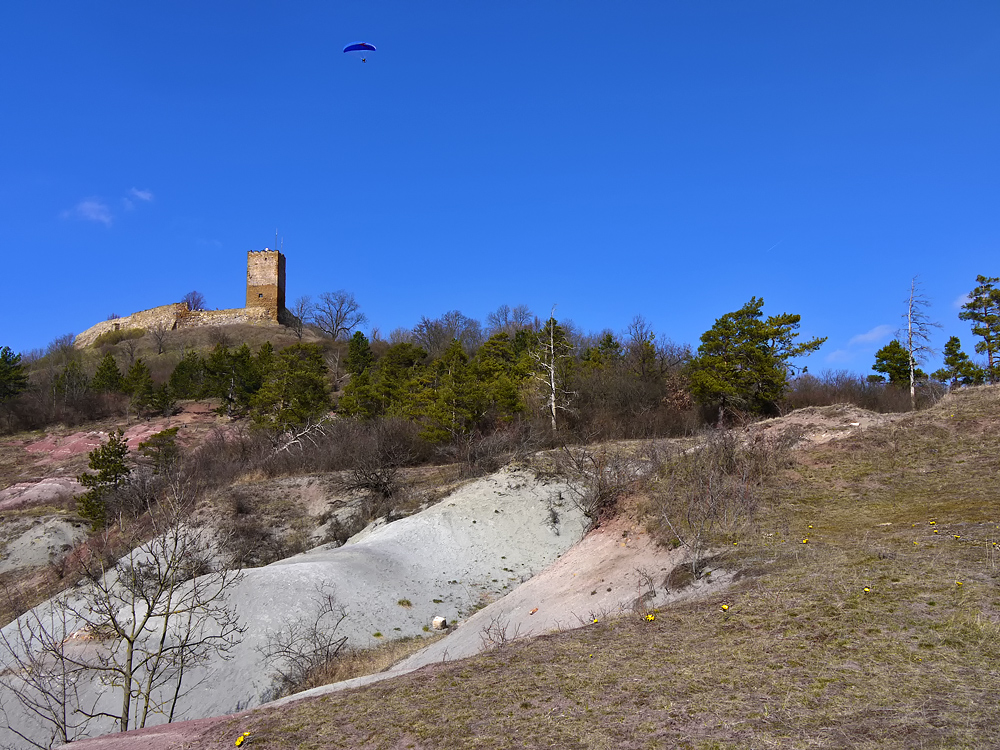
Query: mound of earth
column 815, row 425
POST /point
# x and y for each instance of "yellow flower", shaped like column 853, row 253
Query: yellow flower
column 867, row 589
column 735, row 543
column 933, row 522
column 725, row 607
column 957, row 536
column 935, row 531
column 594, row 621
column 650, row 617
column 805, row 541
column 242, row 738
column 810, row 526
column 958, row 583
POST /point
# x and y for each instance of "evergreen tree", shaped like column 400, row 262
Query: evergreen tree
column 445, row 402
column 13, row 379
column 743, row 362
column 108, row 378
column 188, row 378
column 359, row 354
column 958, row 368
column 295, row 390
column 893, row 361
column 139, row 385
column 608, row 353
column 109, row 461
column 500, row 373
column 161, row 450
column 983, row 310
column 233, row 377
column 264, row 360
column 384, row 389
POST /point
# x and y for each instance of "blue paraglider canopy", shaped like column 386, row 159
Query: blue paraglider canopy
column 359, row 46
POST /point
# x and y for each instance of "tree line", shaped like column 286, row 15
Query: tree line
column 454, row 376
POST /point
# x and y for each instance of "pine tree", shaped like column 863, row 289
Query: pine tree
column 108, row 378
column 109, row 461
column 893, row 361
column 161, row 450
column 958, row 368
column 13, row 380
column 385, row 388
column 234, row 377
column 743, row 362
column 139, row 385
column 499, row 373
column 295, row 391
column 983, row 310
column 188, row 378
column 359, row 354
column 445, row 402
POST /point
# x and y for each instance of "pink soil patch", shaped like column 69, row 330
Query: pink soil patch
column 54, row 448
column 48, row 491
column 58, row 448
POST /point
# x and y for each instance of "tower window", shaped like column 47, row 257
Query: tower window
column 260, row 296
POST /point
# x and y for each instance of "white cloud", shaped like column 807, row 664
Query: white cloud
column 90, row 209
column 839, row 355
column 874, row 336
column 142, row 195
column 960, row 302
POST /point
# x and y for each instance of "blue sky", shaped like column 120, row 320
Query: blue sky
column 669, row 159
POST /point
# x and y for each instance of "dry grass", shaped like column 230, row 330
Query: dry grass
column 368, row 661
column 804, row 656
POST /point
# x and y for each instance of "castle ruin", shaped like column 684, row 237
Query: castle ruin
column 265, row 304
column 266, row 281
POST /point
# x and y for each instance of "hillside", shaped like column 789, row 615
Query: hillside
column 863, row 613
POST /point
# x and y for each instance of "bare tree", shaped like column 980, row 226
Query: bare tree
column 435, row 335
column 553, row 349
column 301, row 311
column 160, row 331
column 400, row 336
column 510, row 320
column 917, row 333
column 302, row 650
column 150, row 617
column 130, row 346
column 195, row 300
column 337, row 314
column 42, row 678
column 597, row 478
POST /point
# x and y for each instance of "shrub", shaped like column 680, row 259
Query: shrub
column 110, row 338
column 715, row 487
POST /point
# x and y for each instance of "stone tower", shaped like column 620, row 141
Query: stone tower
column 266, row 281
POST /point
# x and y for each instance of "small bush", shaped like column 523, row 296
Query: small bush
column 111, row 338
column 714, row 488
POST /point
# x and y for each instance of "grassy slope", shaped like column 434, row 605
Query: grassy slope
column 804, row 656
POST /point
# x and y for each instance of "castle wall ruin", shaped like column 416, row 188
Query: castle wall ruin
column 265, row 305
